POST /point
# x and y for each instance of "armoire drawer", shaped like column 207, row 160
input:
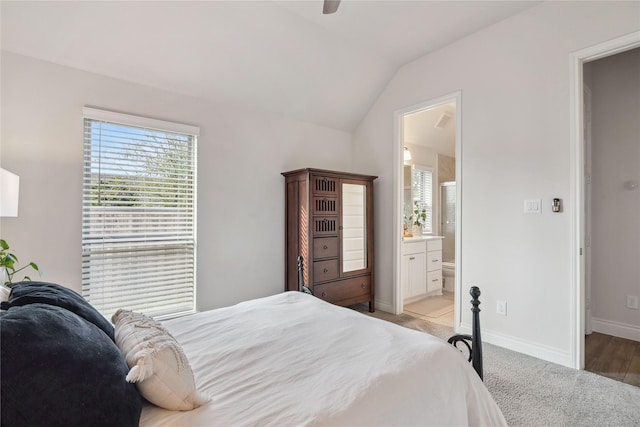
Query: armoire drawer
column 325, row 205
column 325, row 270
column 325, row 247
column 343, row 289
column 325, row 225
column 324, row 185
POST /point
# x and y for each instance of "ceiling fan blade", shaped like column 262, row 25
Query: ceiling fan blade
column 330, row 6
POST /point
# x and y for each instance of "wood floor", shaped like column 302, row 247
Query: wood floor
column 613, row 357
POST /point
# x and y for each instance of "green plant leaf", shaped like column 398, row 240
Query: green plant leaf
column 9, row 261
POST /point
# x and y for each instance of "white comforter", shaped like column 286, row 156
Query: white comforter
column 293, row 360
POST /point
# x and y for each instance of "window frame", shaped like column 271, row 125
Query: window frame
column 419, row 169
column 154, row 128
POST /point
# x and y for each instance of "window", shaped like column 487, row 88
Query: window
column 423, row 194
column 138, row 214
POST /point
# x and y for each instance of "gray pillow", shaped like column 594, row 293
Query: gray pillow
column 59, row 369
column 23, row 293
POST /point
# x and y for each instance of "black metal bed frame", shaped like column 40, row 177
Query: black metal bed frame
column 303, row 288
column 473, row 342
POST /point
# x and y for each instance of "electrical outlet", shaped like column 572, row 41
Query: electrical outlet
column 501, row 307
column 632, row 302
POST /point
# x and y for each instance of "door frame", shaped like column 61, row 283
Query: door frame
column 586, row 115
column 398, row 188
column 577, row 156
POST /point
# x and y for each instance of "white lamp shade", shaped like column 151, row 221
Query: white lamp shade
column 9, row 189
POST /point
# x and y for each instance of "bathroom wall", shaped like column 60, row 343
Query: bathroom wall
column 446, row 167
column 615, row 243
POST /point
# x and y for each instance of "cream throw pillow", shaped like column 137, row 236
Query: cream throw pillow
column 4, row 292
column 157, row 362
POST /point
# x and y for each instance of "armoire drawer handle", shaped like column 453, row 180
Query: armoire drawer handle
column 325, row 270
column 362, row 285
column 324, row 295
column 325, row 247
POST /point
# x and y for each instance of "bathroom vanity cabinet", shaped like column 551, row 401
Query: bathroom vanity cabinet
column 329, row 222
column 414, row 269
column 434, row 266
column 421, row 267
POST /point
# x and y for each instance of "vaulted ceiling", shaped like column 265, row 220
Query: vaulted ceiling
column 283, row 57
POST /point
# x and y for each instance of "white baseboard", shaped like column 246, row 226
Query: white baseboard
column 533, row 349
column 383, row 306
column 617, row 329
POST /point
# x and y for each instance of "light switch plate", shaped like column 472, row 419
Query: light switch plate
column 533, row 206
column 501, row 307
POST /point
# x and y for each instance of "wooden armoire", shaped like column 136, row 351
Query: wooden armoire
column 329, row 222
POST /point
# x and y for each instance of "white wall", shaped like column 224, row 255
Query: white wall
column 241, row 154
column 514, row 80
column 615, row 88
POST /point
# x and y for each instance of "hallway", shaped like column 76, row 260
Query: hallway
column 613, row 357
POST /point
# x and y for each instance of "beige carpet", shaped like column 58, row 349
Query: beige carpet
column 534, row 393
column 432, row 307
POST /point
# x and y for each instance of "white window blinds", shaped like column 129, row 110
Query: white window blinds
column 138, row 214
column 423, row 194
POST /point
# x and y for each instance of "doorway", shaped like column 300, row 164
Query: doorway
column 582, row 192
column 612, row 200
column 428, row 154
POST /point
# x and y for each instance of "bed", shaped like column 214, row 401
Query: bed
column 294, row 360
